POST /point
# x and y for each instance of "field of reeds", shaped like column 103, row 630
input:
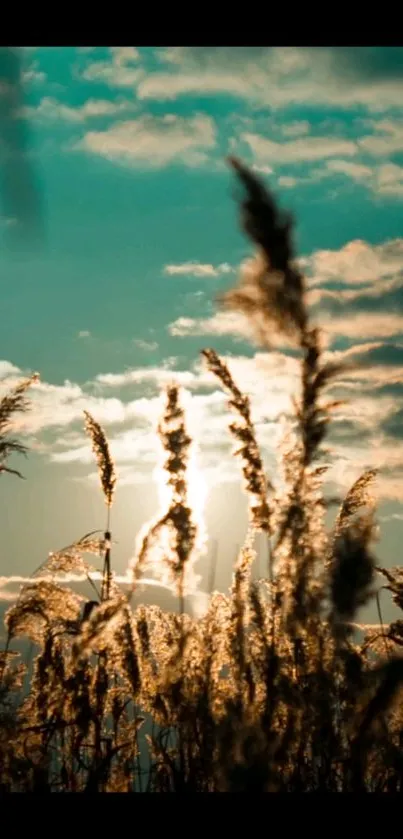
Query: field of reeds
column 276, row 688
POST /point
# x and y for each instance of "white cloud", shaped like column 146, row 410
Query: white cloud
column 113, row 75
column 357, row 262
column 296, row 129
column 168, row 86
column 32, row 75
column 60, row 406
column 221, row 323
column 363, row 326
column 382, row 179
column 389, row 179
column 158, row 375
column 125, row 55
column 356, row 171
column 198, row 269
column 360, row 327
column 367, row 411
column 147, row 346
column 365, row 271
column 287, row 182
column 135, row 447
column 147, row 590
column 264, row 170
column 8, row 369
column 294, row 151
column 53, row 110
column 378, row 453
column 391, row 517
column 278, row 77
column 207, row 416
column 154, row 141
column 387, row 138
column 84, row 333
column 116, row 71
column 361, row 294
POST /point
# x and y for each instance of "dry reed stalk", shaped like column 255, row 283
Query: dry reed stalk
column 107, row 475
column 13, row 402
column 169, row 544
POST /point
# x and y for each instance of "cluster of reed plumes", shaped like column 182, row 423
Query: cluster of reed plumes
column 272, row 689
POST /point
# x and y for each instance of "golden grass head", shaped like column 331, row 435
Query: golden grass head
column 169, row 544
column 243, row 432
column 13, row 402
column 102, row 453
column 272, row 292
column 360, row 495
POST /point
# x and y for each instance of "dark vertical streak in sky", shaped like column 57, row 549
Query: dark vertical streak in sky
column 20, row 194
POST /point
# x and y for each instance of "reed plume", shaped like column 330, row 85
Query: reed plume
column 243, row 431
column 102, row 453
column 173, row 536
column 13, row 402
column 271, row 288
column 106, row 468
column 358, row 496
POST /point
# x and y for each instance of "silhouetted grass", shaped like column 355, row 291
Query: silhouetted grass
column 270, row 690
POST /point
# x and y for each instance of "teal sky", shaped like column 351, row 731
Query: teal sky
column 127, row 149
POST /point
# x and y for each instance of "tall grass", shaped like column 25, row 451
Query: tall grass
column 270, row 690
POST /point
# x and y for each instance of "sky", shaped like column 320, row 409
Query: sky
column 127, row 150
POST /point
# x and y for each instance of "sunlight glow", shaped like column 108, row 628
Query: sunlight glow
column 194, row 486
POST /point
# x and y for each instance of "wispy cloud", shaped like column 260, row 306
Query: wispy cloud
column 356, row 171
column 389, row 179
column 125, row 55
column 382, row 179
column 221, row 323
column 297, row 128
column 264, row 170
column 280, row 76
column 392, row 517
column 355, row 326
column 154, row 141
column 7, row 369
column 168, row 86
column 358, row 262
column 197, row 601
column 303, row 149
column 118, row 70
column 384, row 294
column 53, row 110
column 59, row 406
column 32, row 75
column 113, row 75
column 287, row 181
column 356, row 293
column 198, row 269
column 147, row 346
column 387, row 137
column 158, row 375
column 385, row 178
